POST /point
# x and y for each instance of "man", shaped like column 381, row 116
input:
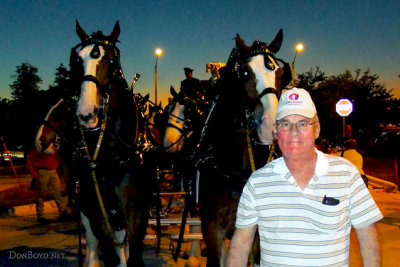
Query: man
column 43, row 166
column 305, row 202
column 190, row 86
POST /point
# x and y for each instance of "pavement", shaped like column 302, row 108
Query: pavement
column 25, row 242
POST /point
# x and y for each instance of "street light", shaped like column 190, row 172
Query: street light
column 299, row 48
column 158, row 53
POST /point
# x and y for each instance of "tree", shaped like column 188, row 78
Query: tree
column 62, row 85
column 371, row 100
column 310, row 79
column 5, row 117
column 26, row 82
column 23, row 109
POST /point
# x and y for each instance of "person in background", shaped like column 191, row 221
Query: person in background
column 305, row 202
column 350, row 152
column 43, row 166
column 190, row 86
column 348, row 133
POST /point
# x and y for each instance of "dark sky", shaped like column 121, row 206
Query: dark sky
column 337, row 35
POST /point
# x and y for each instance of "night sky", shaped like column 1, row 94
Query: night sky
column 337, row 35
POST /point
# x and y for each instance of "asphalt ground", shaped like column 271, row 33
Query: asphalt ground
column 25, row 242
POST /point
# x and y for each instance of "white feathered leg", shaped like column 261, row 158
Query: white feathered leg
column 91, row 244
column 121, row 250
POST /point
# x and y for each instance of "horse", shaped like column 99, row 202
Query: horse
column 236, row 137
column 99, row 126
column 239, row 136
column 186, row 116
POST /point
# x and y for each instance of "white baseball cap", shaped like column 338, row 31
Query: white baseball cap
column 296, row 101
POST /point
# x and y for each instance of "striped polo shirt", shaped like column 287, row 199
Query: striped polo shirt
column 295, row 227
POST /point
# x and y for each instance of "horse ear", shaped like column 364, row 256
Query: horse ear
column 151, row 108
column 81, row 33
column 277, row 42
column 146, row 98
column 115, row 33
column 173, row 92
column 240, row 43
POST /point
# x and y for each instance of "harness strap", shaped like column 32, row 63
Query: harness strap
column 91, row 78
column 271, row 152
column 250, row 149
column 269, row 90
column 94, row 177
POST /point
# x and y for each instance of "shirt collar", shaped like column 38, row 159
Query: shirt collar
column 321, row 167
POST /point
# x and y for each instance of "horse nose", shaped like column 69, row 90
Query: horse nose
column 89, row 116
column 85, row 118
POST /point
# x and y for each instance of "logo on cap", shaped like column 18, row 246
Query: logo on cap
column 294, row 96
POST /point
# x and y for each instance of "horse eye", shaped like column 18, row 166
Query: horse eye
column 271, row 65
column 268, row 63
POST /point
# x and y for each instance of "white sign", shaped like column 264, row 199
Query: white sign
column 344, row 107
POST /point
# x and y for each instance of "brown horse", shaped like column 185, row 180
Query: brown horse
column 98, row 126
column 239, row 136
column 236, row 136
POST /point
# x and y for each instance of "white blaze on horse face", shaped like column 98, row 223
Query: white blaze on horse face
column 265, row 78
column 90, row 97
column 173, row 140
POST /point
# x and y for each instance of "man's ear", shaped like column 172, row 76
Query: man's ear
column 317, row 130
column 274, row 132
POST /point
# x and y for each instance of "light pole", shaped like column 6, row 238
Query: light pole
column 158, row 53
column 299, row 48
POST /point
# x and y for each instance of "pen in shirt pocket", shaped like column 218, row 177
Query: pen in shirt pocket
column 330, row 201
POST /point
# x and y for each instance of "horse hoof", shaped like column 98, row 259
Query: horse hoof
column 193, row 262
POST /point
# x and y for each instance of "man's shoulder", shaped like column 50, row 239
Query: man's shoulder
column 273, row 166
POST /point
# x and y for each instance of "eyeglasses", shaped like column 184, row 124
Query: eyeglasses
column 286, row 126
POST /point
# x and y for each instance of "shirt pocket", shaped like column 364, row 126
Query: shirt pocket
column 333, row 218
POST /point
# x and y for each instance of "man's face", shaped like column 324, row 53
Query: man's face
column 296, row 135
column 188, row 75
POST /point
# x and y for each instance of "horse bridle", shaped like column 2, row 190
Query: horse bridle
column 114, row 61
column 184, row 131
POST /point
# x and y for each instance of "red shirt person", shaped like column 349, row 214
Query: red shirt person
column 43, row 166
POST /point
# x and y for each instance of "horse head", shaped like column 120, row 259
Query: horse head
column 155, row 123
column 53, row 128
column 95, row 66
column 185, row 116
column 263, row 80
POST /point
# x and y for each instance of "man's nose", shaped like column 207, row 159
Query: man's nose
column 295, row 127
